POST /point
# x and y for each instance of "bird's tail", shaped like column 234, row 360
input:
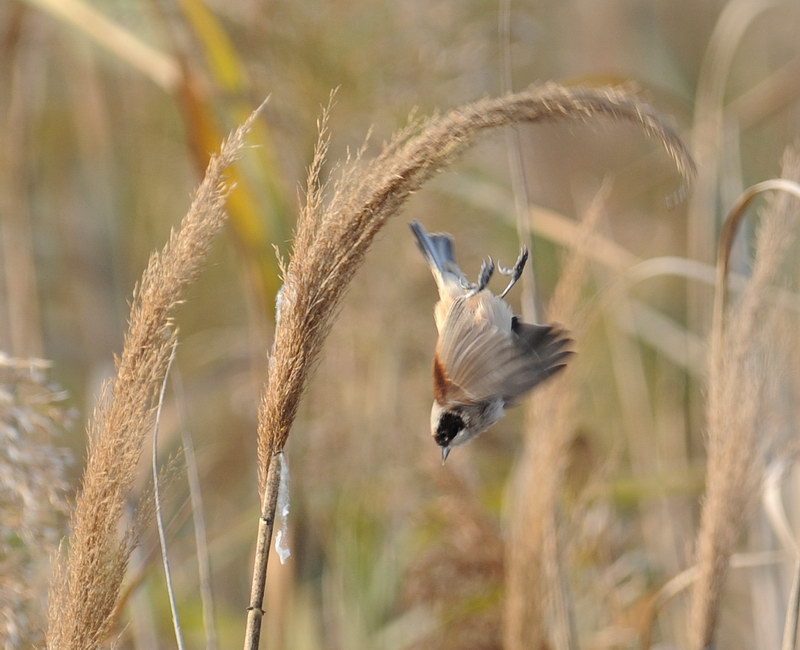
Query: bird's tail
column 438, row 251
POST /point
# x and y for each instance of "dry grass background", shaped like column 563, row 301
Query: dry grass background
column 596, row 488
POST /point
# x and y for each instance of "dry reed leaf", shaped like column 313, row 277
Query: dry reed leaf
column 333, row 235
column 738, row 379
column 85, row 586
column 160, row 68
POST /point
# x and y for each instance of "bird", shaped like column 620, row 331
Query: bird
column 486, row 358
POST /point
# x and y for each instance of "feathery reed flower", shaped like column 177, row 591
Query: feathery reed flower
column 86, row 585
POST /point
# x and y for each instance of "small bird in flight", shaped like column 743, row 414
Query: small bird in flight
column 485, row 358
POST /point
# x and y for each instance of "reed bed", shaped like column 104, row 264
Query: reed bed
column 645, row 498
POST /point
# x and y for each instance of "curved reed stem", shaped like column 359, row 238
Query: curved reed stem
column 728, row 236
column 162, row 535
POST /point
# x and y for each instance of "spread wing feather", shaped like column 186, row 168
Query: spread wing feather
column 478, row 362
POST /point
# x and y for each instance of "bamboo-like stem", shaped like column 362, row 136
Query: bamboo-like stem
column 266, row 522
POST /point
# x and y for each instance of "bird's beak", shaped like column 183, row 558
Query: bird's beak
column 445, row 454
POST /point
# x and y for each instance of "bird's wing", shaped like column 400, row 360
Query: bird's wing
column 476, row 361
column 546, row 349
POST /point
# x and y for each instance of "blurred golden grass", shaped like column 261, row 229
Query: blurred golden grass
column 185, row 83
column 740, row 378
column 534, row 581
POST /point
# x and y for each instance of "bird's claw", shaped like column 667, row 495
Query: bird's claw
column 487, row 270
column 516, row 271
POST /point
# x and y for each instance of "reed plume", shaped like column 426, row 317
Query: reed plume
column 335, row 230
column 735, row 418
column 85, row 586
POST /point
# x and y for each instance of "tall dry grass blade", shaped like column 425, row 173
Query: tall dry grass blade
column 708, row 140
column 728, row 236
column 160, row 68
column 85, row 590
column 162, row 536
column 516, row 166
column 737, row 378
column 333, row 236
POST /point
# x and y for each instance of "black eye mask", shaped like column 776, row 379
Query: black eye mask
column 449, row 426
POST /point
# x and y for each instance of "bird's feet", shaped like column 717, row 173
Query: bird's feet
column 516, row 271
column 487, row 269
